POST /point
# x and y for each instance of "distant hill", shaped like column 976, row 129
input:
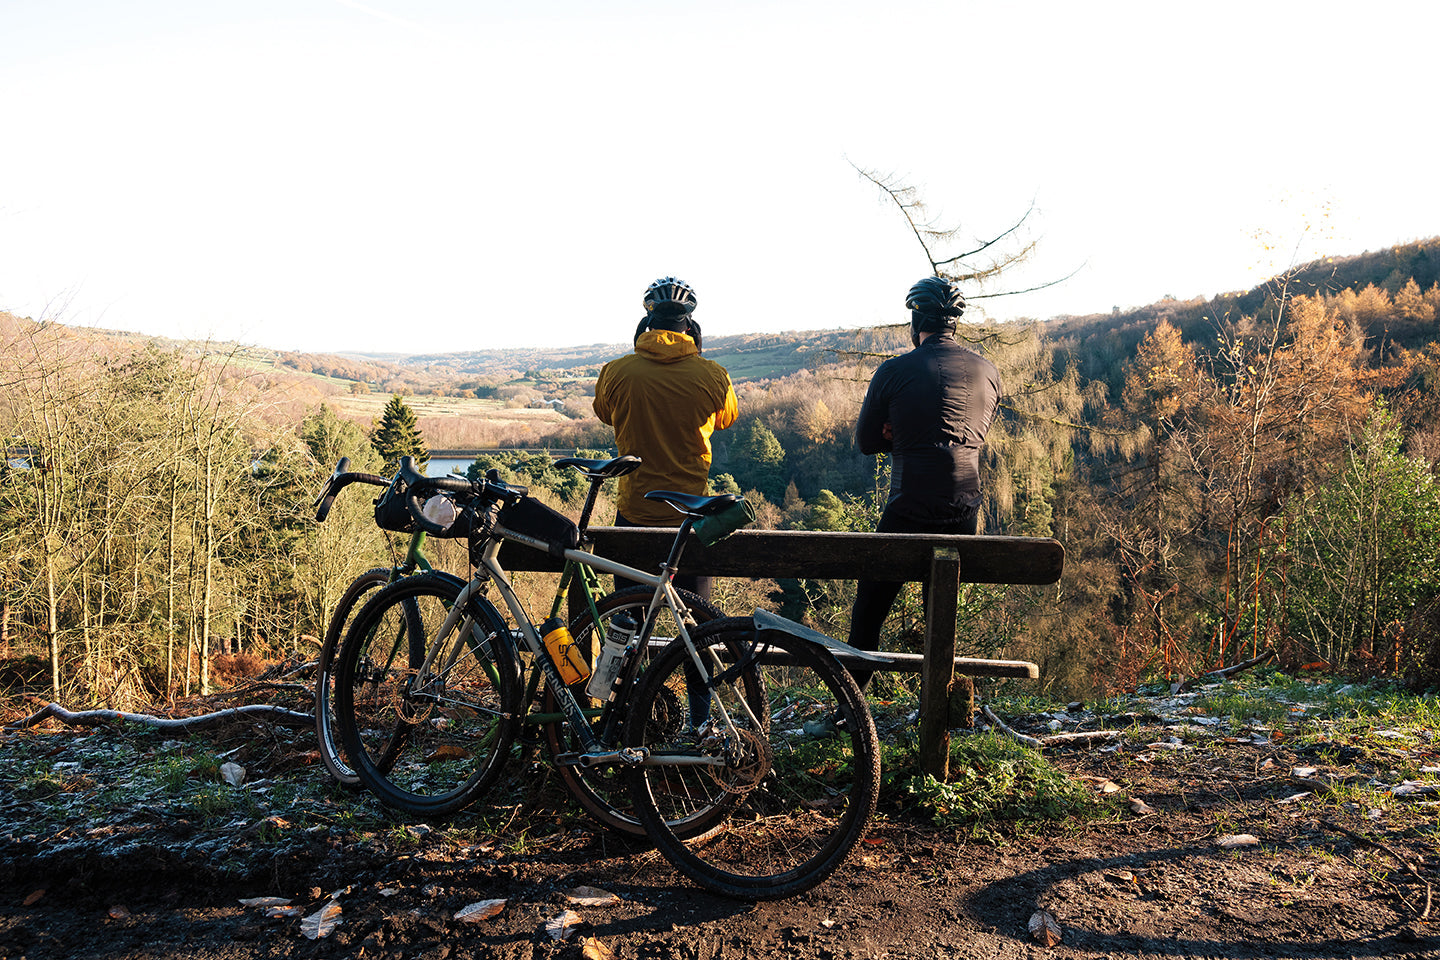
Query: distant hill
column 1098, row 342
column 753, row 356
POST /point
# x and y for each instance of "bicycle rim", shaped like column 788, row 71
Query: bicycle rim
column 604, row 791
column 803, row 774
column 429, row 744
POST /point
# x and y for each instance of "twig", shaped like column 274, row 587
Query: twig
column 1225, row 672
column 1381, row 845
column 97, row 718
column 1000, row 725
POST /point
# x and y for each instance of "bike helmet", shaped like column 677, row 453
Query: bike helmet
column 935, row 304
column 669, row 297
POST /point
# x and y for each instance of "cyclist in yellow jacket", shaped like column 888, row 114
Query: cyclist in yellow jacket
column 664, row 401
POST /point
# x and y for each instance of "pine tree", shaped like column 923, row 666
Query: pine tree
column 398, row 435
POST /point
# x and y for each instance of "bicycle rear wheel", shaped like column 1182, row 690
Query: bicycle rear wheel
column 604, row 790
column 427, row 742
column 327, row 732
column 803, row 773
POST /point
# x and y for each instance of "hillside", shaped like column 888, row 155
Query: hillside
column 1095, row 339
column 1099, row 342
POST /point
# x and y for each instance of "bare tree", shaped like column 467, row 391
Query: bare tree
column 981, row 261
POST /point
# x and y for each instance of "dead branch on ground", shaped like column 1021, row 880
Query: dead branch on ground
column 99, row 718
column 1224, row 673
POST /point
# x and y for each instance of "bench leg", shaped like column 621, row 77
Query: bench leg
column 939, row 669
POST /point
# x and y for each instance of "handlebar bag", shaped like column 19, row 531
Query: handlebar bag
column 391, row 513
column 532, row 518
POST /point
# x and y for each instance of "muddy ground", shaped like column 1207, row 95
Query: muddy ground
column 1338, row 873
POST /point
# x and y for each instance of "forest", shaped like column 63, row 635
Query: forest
column 1251, row 473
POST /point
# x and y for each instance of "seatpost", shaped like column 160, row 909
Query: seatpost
column 595, row 482
column 672, row 563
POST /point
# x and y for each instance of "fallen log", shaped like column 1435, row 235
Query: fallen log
column 99, row 718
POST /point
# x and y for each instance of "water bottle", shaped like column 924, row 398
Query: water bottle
column 568, row 659
column 612, row 655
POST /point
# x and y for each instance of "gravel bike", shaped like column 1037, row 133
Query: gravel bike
column 750, row 754
column 326, row 733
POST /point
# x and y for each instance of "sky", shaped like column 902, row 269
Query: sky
column 445, row 176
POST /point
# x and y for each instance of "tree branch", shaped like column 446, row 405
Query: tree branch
column 98, row 718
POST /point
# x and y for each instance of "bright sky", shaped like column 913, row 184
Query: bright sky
column 387, row 176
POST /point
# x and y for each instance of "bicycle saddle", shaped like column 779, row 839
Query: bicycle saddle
column 693, row 505
column 615, row 467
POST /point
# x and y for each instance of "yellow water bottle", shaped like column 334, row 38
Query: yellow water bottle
column 572, row 664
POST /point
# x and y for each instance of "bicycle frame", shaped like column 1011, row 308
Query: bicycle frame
column 449, row 640
column 665, row 596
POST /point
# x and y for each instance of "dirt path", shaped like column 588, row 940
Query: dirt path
column 1323, row 879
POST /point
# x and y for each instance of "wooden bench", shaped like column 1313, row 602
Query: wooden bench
column 940, row 562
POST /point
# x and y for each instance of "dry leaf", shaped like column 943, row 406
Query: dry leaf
column 34, row 897
column 483, row 910
column 278, row 911
column 592, row 897
column 563, row 925
column 322, row 922
column 593, row 949
column 1100, row 784
column 1232, row 841
column 1140, row 807
column 119, row 912
column 1045, row 929
column 233, row 774
column 448, row 751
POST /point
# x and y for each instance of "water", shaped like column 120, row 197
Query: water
column 442, row 466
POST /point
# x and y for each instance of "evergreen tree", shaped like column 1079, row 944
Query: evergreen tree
column 757, row 459
column 398, row 435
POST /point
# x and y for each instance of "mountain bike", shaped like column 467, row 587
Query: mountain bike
column 750, row 754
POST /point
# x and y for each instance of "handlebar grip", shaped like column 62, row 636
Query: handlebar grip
column 326, row 500
column 338, row 481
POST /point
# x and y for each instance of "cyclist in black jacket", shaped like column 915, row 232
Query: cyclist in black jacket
column 930, row 409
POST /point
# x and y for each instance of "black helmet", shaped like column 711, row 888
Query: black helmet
column 670, row 296
column 935, row 304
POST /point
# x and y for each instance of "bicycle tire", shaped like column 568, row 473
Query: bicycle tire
column 604, row 791
column 327, row 730
column 430, row 745
column 805, row 772
column 332, row 752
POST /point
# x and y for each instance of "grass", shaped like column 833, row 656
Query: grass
column 992, row 779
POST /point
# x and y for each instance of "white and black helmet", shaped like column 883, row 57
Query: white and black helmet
column 669, row 304
column 670, row 296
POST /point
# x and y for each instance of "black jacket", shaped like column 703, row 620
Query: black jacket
column 939, row 400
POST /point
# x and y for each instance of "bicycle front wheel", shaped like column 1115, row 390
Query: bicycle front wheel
column 803, row 772
column 430, row 740
column 604, row 790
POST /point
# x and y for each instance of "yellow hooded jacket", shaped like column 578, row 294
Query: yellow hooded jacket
column 664, row 400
